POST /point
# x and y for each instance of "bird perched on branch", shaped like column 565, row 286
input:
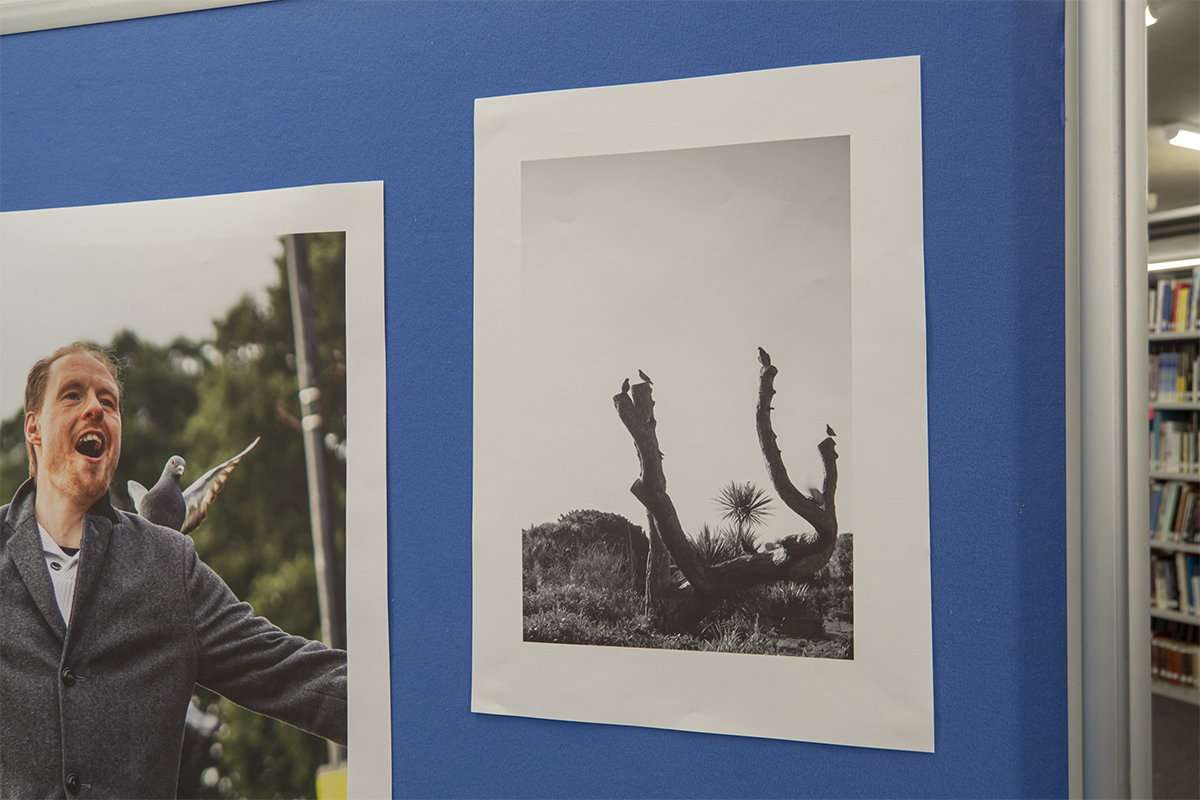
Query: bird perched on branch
column 645, row 377
column 829, row 430
column 167, row 504
column 625, row 387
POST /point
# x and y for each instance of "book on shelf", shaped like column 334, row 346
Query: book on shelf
column 1164, row 294
column 1165, row 597
column 1173, row 369
column 1174, row 443
column 1193, row 584
column 1192, row 318
column 1173, row 304
column 1179, row 320
column 1183, row 585
column 1150, row 315
column 1175, row 653
column 1175, row 511
column 1175, row 582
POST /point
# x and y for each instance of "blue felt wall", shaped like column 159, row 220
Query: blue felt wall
column 293, row 93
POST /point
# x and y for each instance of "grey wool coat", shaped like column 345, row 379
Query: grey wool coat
column 97, row 709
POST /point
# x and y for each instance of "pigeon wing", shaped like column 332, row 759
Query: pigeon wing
column 136, row 493
column 205, row 490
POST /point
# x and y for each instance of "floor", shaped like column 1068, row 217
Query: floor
column 1176, row 732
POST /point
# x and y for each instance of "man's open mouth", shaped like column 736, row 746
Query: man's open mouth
column 90, row 445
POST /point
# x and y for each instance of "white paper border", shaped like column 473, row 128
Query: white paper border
column 357, row 209
column 884, row 696
column 21, row 16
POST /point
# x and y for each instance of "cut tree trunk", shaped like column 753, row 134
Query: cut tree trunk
column 792, row 558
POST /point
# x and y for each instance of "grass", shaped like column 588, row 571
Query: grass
column 583, row 584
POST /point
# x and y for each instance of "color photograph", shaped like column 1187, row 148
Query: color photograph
column 230, row 366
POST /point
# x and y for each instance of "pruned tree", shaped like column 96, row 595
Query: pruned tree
column 795, row 557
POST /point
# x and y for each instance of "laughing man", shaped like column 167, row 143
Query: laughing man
column 108, row 622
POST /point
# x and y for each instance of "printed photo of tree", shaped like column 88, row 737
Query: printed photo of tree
column 694, row 304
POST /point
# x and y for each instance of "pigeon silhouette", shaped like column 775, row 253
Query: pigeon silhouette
column 645, row 377
column 625, row 387
column 167, row 504
column 829, row 430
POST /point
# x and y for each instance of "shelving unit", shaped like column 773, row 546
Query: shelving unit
column 1174, row 335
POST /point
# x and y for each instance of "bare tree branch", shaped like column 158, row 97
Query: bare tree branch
column 794, row 557
column 822, row 515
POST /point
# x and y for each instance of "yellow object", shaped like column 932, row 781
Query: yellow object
column 331, row 782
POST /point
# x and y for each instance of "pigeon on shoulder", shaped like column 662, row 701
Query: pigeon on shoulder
column 167, row 504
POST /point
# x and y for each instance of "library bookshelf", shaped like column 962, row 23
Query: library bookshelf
column 1174, row 451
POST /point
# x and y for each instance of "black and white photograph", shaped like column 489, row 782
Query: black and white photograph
column 700, row 453
column 724, row 272
column 205, row 369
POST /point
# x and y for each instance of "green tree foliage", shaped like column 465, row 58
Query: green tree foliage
column 14, row 463
column 206, row 401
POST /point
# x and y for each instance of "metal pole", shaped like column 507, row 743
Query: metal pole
column 1113, row 478
column 304, row 326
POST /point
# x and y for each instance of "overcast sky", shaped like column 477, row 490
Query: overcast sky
column 51, row 295
column 682, row 263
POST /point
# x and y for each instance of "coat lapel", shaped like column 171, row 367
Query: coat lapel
column 97, row 530
column 25, row 548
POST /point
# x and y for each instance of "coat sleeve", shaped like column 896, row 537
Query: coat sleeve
column 253, row 663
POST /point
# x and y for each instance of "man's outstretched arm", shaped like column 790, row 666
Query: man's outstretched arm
column 258, row 666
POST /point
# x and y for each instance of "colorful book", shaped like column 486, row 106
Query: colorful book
column 1164, row 306
column 1195, row 298
column 1182, row 306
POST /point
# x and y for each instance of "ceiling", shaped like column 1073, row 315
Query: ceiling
column 1173, row 73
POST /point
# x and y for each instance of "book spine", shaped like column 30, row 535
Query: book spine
column 1195, row 378
column 1164, row 290
column 1155, row 499
column 1168, row 307
column 1194, row 584
column 1181, row 581
column 1154, row 425
column 1182, row 305
column 1195, row 296
column 1160, row 586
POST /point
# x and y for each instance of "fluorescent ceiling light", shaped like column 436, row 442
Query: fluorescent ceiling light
column 1183, row 135
column 1182, row 263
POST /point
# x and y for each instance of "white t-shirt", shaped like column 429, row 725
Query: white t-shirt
column 63, row 569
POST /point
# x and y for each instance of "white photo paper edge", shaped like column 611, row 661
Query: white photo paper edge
column 357, row 209
column 882, row 698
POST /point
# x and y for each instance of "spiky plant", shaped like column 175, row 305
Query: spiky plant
column 747, row 506
column 713, row 545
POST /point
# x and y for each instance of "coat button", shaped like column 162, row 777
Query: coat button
column 68, row 677
column 72, row 783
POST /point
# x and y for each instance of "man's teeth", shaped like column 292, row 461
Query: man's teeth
column 90, row 444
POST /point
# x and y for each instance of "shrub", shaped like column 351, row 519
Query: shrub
column 584, row 583
column 551, row 550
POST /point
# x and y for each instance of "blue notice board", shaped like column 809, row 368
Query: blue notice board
column 289, row 94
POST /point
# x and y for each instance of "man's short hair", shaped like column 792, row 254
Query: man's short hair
column 39, row 376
